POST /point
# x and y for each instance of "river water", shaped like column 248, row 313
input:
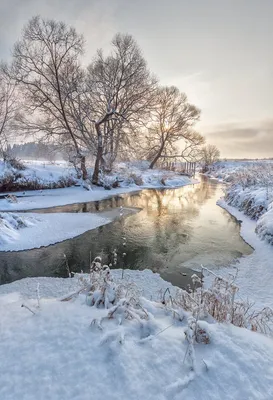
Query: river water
column 175, row 231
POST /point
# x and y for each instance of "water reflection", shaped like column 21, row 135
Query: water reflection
column 176, row 231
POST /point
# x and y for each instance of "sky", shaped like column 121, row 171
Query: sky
column 219, row 52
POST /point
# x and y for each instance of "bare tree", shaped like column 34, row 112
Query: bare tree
column 121, row 90
column 8, row 108
column 210, row 154
column 46, row 66
column 171, row 127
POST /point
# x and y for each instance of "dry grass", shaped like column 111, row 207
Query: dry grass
column 221, row 302
column 12, row 182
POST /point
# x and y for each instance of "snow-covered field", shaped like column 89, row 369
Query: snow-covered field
column 37, row 229
column 57, row 354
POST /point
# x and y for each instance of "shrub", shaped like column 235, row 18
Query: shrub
column 219, row 301
column 16, row 163
column 13, row 181
column 136, row 179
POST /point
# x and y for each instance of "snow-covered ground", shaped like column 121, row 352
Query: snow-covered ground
column 225, row 170
column 255, row 271
column 127, row 173
column 38, row 230
column 248, row 197
column 38, row 174
column 50, row 350
column 56, row 354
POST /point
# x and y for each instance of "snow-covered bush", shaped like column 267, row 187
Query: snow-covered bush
column 251, row 201
column 135, row 179
column 10, row 182
column 11, row 198
column 16, row 163
column 219, row 302
column 10, row 223
column 108, row 181
column 100, row 289
column 264, row 227
column 250, row 188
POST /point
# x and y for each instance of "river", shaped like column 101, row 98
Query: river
column 175, row 231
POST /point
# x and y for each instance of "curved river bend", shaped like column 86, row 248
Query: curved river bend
column 175, row 232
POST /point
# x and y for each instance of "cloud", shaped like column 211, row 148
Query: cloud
column 252, row 140
column 93, row 18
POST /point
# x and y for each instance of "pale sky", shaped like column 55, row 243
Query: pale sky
column 219, row 52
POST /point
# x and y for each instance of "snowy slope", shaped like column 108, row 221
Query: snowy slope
column 255, row 272
column 56, row 355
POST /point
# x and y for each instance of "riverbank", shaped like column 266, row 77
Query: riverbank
column 129, row 176
column 248, row 197
column 249, row 189
column 25, row 231
column 35, row 231
column 254, row 272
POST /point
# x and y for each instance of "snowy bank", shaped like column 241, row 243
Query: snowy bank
column 255, row 271
column 62, row 178
column 61, row 355
column 38, row 175
column 249, row 189
column 39, row 230
column 45, row 229
column 131, row 179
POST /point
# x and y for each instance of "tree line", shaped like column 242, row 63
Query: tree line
column 113, row 107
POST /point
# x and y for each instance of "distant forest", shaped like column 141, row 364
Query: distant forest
column 36, row 151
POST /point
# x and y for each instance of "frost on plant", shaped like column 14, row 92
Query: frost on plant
column 219, row 301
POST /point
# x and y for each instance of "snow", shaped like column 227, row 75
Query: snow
column 225, row 170
column 150, row 283
column 43, row 173
column 46, row 229
column 249, row 198
column 48, row 198
column 255, row 271
column 37, row 230
column 250, row 191
column 264, row 227
column 48, row 172
column 34, row 199
column 55, row 354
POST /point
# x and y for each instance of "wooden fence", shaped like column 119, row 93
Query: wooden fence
column 187, row 168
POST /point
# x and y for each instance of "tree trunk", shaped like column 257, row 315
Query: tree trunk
column 95, row 177
column 157, row 157
column 83, row 168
